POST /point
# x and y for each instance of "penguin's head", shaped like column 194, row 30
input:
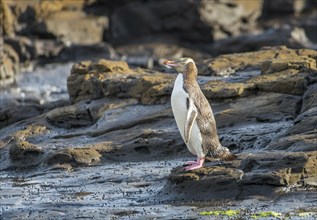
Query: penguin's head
column 180, row 64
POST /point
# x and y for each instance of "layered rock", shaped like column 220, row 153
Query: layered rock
column 268, row 60
column 9, row 68
column 260, row 175
column 265, row 112
column 283, row 70
column 107, row 78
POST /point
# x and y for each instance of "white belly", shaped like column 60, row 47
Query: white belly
column 179, row 108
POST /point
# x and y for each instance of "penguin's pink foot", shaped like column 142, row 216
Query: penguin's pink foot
column 193, row 167
column 191, row 163
column 198, row 164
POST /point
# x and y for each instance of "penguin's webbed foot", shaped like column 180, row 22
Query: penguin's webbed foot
column 190, row 163
column 193, row 165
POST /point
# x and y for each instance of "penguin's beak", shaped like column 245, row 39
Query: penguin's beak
column 170, row 63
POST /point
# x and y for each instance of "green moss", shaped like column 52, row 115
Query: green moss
column 234, row 213
column 267, row 214
column 228, row 213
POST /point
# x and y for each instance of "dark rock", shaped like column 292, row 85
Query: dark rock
column 138, row 19
column 292, row 37
column 9, row 67
column 300, row 136
column 70, row 116
column 83, row 113
column 198, row 21
column 243, row 16
column 23, row 150
column 284, row 7
column 250, row 177
column 75, row 156
column 269, row 60
column 14, row 112
column 24, row 48
column 7, row 19
column 83, row 52
column 115, row 79
column 250, row 108
column 310, row 98
column 86, row 32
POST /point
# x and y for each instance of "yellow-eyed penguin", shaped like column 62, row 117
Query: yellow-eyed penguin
column 194, row 116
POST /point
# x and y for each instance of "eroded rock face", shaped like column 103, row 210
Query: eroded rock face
column 107, row 78
column 211, row 14
column 293, row 37
column 9, row 67
column 251, row 176
column 269, row 60
column 286, row 74
column 265, row 113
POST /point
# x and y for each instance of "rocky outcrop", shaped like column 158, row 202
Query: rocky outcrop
column 268, row 60
column 252, row 176
column 283, row 70
column 198, row 17
column 144, row 32
column 9, row 65
column 107, row 78
column 243, row 16
column 119, row 125
column 293, row 37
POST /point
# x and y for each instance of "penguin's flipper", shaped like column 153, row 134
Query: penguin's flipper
column 191, row 116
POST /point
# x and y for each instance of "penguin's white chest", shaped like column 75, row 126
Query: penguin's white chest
column 178, row 102
column 179, row 108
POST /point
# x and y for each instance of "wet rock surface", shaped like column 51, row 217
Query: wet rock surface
column 115, row 148
column 96, row 138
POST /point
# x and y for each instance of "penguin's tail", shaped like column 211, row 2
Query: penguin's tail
column 223, row 153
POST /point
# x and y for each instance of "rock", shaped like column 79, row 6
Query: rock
column 300, row 136
column 276, row 8
column 138, row 19
column 292, row 37
column 114, row 79
column 287, row 82
column 91, row 76
column 284, row 58
column 9, row 67
column 79, row 53
column 292, row 169
column 23, row 46
column 7, row 19
column 70, row 116
column 243, row 16
column 219, row 89
column 12, row 113
column 287, row 74
column 86, row 32
column 85, row 156
column 23, row 150
column 47, row 48
column 249, row 108
column 200, row 21
column 216, row 182
column 83, row 114
column 310, row 98
column 252, row 176
column 252, row 122
column 31, row 131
